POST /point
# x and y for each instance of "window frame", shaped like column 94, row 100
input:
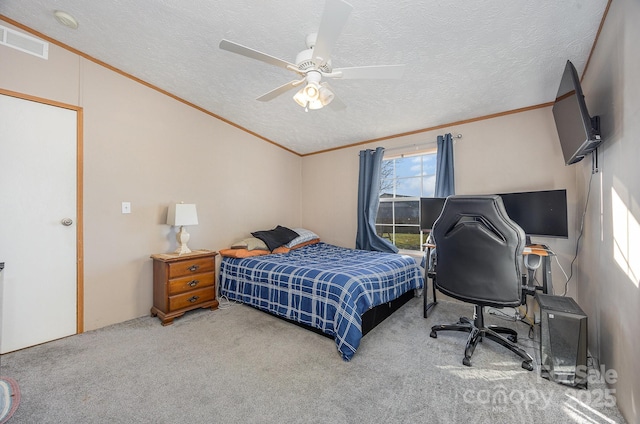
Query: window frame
column 394, row 199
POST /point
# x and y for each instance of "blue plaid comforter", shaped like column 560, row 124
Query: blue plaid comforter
column 321, row 285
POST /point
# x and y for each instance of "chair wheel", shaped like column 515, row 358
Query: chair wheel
column 466, row 361
column 433, row 334
column 512, row 338
column 527, row 365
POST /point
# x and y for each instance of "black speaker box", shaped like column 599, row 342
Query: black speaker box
column 563, row 340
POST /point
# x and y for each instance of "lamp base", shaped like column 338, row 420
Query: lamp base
column 182, row 237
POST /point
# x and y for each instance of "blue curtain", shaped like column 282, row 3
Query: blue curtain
column 368, row 201
column 445, row 182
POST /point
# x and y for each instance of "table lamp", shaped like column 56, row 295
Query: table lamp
column 182, row 214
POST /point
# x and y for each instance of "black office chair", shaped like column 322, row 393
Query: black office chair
column 478, row 254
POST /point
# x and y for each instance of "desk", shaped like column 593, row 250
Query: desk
column 428, row 274
column 536, row 249
column 545, row 255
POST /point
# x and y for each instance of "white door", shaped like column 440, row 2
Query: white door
column 38, row 144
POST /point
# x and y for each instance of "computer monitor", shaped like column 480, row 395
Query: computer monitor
column 539, row 213
column 430, row 208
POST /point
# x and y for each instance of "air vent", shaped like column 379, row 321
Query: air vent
column 23, row 42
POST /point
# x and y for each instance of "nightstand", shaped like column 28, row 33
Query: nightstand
column 182, row 283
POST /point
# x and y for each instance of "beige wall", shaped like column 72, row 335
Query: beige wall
column 609, row 258
column 143, row 147
column 515, row 152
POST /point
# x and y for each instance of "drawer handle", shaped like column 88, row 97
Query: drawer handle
column 193, row 283
column 194, row 268
column 193, row 298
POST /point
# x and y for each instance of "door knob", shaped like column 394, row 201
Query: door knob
column 67, row 221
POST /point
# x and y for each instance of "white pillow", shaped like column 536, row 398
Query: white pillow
column 304, row 235
column 250, row 243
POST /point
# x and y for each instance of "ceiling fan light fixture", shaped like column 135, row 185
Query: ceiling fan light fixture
column 315, row 105
column 301, row 98
column 312, row 90
column 325, row 95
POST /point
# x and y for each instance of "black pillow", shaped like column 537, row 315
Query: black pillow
column 276, row 237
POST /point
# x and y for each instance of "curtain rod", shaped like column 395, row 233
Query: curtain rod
column 419, row 146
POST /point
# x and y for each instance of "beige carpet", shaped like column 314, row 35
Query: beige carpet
column 241, row 365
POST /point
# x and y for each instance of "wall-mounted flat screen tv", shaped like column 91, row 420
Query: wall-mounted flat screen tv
column 579, row 133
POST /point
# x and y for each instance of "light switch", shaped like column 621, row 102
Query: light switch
column 126, row 207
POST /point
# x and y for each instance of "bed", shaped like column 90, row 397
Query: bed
column 329, row 288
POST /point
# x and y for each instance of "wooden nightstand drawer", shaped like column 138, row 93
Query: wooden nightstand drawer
column 191, row 282
column 191, row 299
column 189, row 267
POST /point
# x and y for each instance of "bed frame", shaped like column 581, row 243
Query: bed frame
column 370, row 319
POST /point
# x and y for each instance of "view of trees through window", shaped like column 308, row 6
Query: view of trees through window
column 403, row 181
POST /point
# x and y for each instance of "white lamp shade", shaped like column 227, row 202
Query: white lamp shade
column 312, row 90
column 182, row 214
column 325, row 95
column 301, row 98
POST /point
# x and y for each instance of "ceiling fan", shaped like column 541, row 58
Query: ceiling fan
column 314, row 63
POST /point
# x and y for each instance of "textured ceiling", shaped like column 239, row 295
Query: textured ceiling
column 463, row 59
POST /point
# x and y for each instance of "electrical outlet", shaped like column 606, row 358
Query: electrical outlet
column 536, row 317
column 126, row 207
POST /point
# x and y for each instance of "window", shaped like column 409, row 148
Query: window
column 403, row 181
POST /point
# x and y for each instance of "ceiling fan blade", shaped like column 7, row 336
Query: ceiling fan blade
column 254, row 54
column 337, row 104
column 280, row 90
column 369, row 72
column 333, row 20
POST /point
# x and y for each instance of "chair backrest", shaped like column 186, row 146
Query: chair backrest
column 478, row 251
